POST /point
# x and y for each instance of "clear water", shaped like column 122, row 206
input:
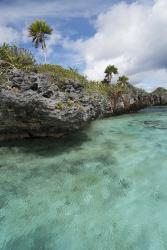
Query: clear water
column 104, row 188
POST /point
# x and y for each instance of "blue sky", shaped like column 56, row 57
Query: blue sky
column 91, row 34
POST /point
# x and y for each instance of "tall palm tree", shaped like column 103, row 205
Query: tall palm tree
column 109, row 71
column 39, row 31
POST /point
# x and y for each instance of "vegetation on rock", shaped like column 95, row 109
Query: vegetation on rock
column 58, row 75
column 159, row 91
column 59, row 106
column 117, row 90
column 17, row 57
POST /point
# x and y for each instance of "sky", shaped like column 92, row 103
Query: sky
column 89, row 35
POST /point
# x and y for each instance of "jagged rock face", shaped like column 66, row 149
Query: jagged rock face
column 30, row 106
column 163, row 99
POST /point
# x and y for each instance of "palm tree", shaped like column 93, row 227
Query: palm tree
column 109, row 71
column 124, row 80
column 39, row 30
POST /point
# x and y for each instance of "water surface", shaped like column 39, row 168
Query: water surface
column 104, row 188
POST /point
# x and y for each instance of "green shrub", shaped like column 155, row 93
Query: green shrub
column 58, row 74
column 59, row 105
column 70, row 103
column 97, row 87
column 17, row 57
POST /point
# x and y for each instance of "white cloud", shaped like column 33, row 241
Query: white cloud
column 155, row 77
column 18, row 9
column 22, row 13
column 9, row 35
column 131, row 36
column 53, row 39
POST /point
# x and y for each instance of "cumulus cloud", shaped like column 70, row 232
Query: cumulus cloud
column 22, row 13
column 9, row 35
column 131, row 36
column 53, row 39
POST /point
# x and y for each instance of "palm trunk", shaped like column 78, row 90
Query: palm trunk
column 44, row 48
column 45, row 55
column 110, row 78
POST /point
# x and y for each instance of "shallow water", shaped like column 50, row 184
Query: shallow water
column 104, row 188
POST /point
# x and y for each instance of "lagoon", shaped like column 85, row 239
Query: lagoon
column 101, row 188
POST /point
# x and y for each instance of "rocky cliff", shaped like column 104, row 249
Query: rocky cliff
column 32, row 106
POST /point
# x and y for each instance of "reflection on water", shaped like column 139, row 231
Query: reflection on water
column 102, row 188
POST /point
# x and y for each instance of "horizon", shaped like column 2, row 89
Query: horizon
column 132, row 35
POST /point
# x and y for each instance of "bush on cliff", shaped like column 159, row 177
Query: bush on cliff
column 97, row 87
column 17, row 57
column 159, row 91
column 117, row 90
column 58, row 74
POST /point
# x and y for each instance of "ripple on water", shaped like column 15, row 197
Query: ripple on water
column 156, row 124
column 102, row 188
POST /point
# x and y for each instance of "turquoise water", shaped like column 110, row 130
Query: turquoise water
column 104, row 188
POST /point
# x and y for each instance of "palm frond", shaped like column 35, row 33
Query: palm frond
column 39, row 31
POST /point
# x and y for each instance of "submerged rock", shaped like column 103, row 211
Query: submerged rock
column 32, row 106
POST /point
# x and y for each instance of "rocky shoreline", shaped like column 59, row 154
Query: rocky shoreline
column 31, row 106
